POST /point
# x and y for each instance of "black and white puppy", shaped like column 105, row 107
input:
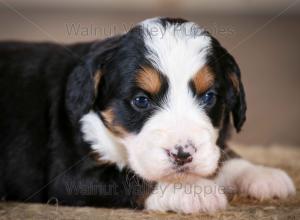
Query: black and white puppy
column 138, row 120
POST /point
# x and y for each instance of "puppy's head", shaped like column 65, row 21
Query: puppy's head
column 158, row 99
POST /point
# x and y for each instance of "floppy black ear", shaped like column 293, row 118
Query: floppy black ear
column 80, row 91
column 83, row 81
column 236, row 94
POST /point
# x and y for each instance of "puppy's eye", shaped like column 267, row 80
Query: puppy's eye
column 209, row 98
column 141, row 102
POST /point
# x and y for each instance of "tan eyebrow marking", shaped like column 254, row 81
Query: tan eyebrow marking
column 203, row 79
column 116, row 129
column 149, row 80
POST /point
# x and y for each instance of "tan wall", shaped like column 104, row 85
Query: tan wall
column 268, row 55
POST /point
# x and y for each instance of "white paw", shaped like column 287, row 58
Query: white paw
column 264, row 183
column 204, row 196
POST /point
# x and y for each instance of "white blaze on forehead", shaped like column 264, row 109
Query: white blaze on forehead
column 178, row 51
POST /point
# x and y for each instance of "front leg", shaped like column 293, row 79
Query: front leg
column 260, row 182
column 202, row 196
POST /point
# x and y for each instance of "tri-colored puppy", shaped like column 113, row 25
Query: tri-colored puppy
column 138, row 120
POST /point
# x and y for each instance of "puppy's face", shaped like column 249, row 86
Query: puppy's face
column 164, row 94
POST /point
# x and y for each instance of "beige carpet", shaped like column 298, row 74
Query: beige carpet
column 285, row 157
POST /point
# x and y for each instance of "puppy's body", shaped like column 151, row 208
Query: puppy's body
column 122, row 122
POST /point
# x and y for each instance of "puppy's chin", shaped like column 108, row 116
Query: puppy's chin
column 182, row 177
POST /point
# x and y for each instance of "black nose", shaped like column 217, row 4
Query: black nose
column 181, row 157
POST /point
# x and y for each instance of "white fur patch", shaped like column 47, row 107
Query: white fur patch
column 256, row 181
column 202, row 196
column 178, row 51
column 102, row 140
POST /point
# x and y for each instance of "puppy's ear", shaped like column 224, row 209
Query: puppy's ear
column 236, row 94
column 83, row 81
column 81, row 91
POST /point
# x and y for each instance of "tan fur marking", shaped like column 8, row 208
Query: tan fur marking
column 109, row 118
column 97, row 78
column 149, row 80
column 203, row 79
column 235, row 81
column 148, row 188
column 97, row 157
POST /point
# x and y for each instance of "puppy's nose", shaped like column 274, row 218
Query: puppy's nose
column 181, row 157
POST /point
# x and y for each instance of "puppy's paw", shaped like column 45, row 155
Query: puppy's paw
column 264, row 183
column 204, row 196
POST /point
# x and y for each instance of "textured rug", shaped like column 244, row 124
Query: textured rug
column 284, row 157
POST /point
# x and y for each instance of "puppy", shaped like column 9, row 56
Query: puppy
column 138, row 120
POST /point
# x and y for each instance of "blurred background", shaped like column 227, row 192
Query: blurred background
column 263, row 36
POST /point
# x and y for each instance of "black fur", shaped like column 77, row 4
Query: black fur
column 45, row 89
column 233, row 101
